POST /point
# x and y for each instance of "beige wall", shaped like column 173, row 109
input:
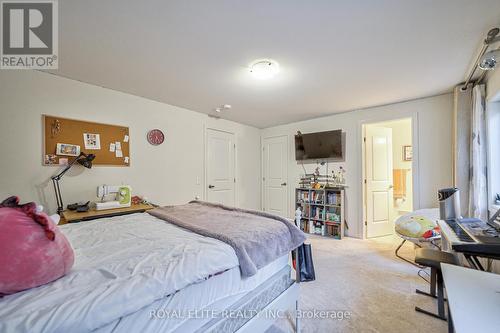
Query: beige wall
column 434, row 121
column 171, row 173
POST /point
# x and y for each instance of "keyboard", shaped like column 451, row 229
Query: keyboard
column 471, row 236
column 460, row 233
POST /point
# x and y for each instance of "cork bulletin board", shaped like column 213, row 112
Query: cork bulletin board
column 65, row 137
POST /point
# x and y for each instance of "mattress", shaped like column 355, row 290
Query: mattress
column 198, row 304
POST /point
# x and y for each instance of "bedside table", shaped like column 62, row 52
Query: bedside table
column 71, row 216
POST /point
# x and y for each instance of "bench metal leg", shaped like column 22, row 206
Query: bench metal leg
column 432, row 288
column 429, row 313
column 440, row 295
column 403, row 258
column 436, row 278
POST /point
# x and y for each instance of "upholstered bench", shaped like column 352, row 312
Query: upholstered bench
column 433, row 259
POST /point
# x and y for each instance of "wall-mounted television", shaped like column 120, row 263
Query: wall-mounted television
column 320, row 146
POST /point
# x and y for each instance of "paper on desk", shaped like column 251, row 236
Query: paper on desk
column 125, row 139
column 112, row 147
column 118, row 153
column 118, row 145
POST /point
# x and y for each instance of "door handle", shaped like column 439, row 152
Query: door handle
column 283, row 184
column 211, row 186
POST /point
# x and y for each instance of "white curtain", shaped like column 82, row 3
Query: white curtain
column 478, row 204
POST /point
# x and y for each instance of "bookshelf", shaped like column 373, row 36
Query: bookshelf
column 322, row 211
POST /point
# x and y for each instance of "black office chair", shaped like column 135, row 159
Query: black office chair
column 433, row 259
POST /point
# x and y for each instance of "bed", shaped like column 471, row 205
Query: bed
column 140, row 273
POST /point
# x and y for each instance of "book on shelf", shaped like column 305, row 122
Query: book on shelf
column 333, row 199
column 332, row 217
column 303, row 196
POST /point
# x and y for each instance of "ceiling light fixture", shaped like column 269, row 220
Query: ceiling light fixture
column 264, row 69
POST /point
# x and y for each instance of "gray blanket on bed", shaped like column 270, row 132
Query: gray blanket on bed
column 257, row 237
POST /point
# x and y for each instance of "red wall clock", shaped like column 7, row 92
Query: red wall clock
column 156, row 137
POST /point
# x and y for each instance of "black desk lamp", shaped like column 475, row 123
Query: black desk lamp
column 83, row 159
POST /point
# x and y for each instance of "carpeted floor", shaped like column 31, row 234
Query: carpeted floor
column 364, row 278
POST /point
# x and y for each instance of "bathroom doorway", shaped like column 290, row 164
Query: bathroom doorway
column 388, row 174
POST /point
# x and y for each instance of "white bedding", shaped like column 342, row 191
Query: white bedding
column 122, row 264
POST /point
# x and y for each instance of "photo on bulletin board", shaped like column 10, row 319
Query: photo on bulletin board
column 92, row 141
column 67, row 149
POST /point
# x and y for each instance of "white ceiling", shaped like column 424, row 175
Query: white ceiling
column 335, row 55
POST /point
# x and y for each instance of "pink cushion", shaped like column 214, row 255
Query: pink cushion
column 33, row 251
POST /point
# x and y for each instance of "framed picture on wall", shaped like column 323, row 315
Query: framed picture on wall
column 407, row 153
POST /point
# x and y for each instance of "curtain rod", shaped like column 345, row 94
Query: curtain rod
column 491, row 38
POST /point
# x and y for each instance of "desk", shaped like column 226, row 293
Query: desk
column 473, row 299
column 72, row 216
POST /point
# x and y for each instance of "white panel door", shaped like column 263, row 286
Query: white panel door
column 275, row 175
column 220, row 167
column 379, row 186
